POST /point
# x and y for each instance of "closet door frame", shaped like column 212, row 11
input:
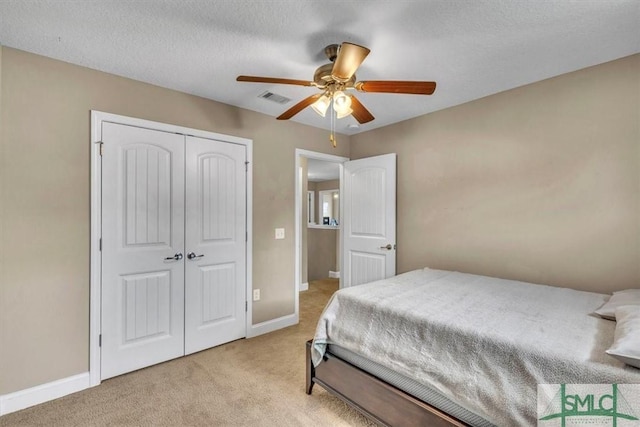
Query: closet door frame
column 97, row 118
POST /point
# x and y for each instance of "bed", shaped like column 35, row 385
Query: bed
column 443, row 348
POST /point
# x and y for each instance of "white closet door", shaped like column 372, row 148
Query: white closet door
column 142, row 230
column 215, row 270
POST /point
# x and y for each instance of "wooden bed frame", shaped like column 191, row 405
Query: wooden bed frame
column 374, row 398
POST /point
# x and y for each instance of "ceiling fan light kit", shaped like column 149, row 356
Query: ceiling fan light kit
column 344, row 113
column 321, row 105
column 341, row 102
column 337, row 77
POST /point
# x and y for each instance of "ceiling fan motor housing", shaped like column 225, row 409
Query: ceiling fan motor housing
column 323, row 78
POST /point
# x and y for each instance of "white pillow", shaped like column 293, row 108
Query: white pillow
column 626, row 297
column 626, row 342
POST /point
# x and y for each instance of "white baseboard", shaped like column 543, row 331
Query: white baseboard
column 304, row 287
column 334, row 274
column 22, row 399
column 272, row 325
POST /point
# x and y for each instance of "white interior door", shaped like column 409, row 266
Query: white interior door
column 369, row 220
column 142, row 245
column 215, row 243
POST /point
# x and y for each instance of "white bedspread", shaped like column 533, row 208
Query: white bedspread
column 485, row 343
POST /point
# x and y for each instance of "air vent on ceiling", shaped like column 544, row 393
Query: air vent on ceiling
column 270, row 96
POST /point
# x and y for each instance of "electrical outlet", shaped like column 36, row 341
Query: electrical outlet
column 279, row 233
column 256, row 294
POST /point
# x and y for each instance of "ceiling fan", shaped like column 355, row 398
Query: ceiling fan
column 337, row 77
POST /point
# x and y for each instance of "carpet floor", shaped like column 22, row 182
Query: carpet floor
column 249, row 382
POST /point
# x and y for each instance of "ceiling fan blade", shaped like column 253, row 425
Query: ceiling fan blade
column 299, row 107
column 360, row 113
column 257, row 79
column 397, row 86
column 350, row 56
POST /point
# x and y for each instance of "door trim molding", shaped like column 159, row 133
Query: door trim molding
column 298, row 214
column 97, row 118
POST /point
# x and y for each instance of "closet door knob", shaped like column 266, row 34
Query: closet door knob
column 176, row 257
column 191, row 255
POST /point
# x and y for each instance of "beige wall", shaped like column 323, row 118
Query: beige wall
column 540, row 183
column 44, row 286
column 322, row 252
column 3, row 307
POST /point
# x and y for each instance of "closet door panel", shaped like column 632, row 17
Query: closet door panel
column 142, row 226
column 215, row 241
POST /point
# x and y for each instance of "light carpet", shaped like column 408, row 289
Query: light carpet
column 249, row 382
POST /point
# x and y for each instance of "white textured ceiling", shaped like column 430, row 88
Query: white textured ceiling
column 471, row 48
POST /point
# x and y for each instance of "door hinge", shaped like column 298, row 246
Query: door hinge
column 246, row 236
column 101, row 147
column 100, row 340
column 246, row 166
column 246, row 306
column 100, row 243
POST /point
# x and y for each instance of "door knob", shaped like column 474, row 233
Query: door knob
column 388, row 247
column 176, row 257
column 192, row 255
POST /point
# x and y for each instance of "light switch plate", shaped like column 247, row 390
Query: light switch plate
column 279, row 233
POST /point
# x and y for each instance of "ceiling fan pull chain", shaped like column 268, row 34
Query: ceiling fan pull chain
column 332, row 135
